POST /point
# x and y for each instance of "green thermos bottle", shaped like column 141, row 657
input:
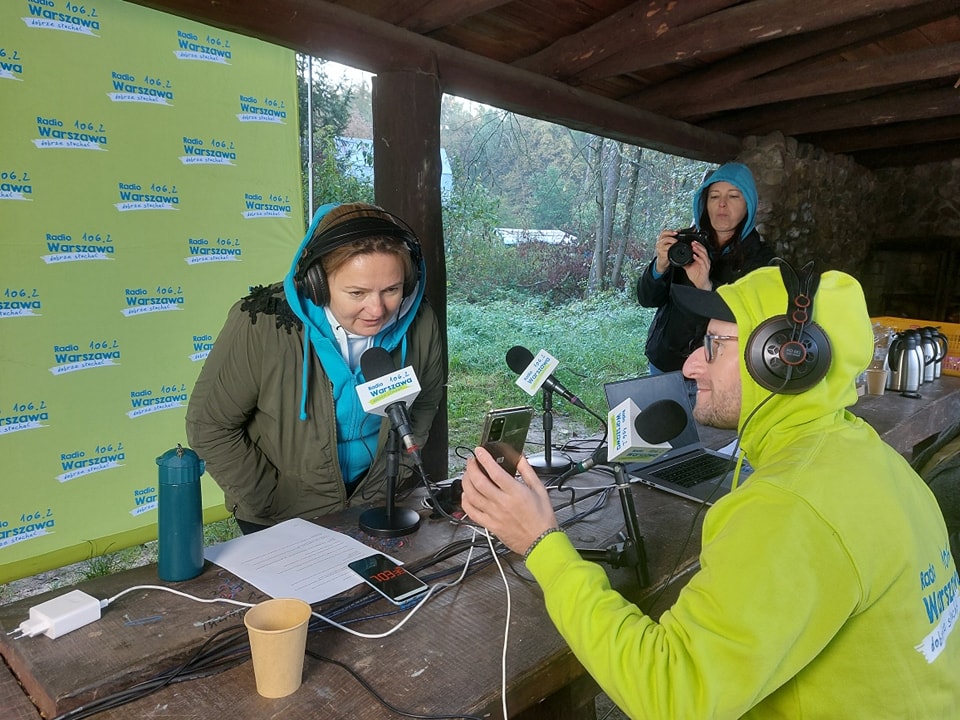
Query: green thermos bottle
column 180, row 521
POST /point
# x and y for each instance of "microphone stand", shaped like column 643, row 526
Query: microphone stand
column 390, row 521
column 630, row 552
column 544, row 464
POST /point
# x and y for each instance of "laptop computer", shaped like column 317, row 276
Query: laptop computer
column 688, row 469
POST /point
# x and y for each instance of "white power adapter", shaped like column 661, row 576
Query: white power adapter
column 61, row 615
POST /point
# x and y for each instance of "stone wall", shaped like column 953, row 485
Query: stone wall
column 923, row 201
column 818, row 206
column 813, row 205
column 919, row 214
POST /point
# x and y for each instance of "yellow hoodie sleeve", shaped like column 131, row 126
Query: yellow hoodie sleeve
column 754, row 615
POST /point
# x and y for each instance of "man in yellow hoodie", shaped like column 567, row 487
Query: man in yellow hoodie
column 826, row 586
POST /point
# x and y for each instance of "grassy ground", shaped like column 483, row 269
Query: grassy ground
column 596, row 341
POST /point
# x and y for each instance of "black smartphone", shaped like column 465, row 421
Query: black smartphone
column 387, row 578
column 505, row 433
column 506, row 456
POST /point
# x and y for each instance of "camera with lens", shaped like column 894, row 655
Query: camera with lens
column 680, row 253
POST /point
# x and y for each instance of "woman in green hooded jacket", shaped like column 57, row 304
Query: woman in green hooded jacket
column 275, row 413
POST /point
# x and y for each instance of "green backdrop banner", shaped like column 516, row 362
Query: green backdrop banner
column 149, row 175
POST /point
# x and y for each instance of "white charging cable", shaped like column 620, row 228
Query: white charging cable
column 55, row 618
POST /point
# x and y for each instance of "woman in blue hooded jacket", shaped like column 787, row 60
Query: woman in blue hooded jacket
column 724, row 211
column 275, row 413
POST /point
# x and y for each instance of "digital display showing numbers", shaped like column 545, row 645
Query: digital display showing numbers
column 388, row 578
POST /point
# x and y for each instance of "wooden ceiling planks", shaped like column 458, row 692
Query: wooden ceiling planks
column 683, row 77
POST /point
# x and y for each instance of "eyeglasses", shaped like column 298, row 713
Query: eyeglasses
column 710, row 344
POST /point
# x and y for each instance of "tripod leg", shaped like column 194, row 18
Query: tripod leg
column 634, row 538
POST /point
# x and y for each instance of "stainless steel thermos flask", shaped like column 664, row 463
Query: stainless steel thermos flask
column 905, row 361
column 180, row 521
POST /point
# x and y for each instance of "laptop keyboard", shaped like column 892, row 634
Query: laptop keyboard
column 693, row 471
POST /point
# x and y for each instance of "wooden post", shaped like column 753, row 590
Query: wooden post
column 407, row 170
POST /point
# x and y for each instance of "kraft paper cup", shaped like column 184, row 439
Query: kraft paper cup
column 876, row 380
column 278, row 641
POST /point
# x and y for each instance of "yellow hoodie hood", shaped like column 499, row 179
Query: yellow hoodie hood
column 840, row 311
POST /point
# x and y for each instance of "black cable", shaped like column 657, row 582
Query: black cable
column 213, row 658
column 221, row 662
column 602, row 496
column 195, row 664
column 471, row 524
column 380, row 699
column 369, row 596
column 587, row 494
column 437, row 507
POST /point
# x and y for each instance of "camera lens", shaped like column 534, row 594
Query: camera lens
column 680, row 254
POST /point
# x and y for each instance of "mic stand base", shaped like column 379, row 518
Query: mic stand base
column 390, row 521
column 381, row 523
column 557, row 464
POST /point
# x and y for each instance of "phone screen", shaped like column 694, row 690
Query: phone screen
column 389, row 579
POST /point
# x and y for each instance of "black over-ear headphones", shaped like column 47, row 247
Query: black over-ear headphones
column 790, row 353
column 311, row 280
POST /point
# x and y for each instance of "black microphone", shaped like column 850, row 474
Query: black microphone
column 519, row 358
column 661, row 421
column 375, row 362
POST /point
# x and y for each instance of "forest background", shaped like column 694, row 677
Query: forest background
column 575, row 299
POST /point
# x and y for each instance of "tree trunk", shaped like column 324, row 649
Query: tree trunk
column 610, row 192
column 633, row 175
column 595, row 160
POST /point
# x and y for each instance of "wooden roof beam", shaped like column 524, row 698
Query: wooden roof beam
column 336, row 33
column 638, row 24
column 424, row 16
column 932, row 63
column 888, row 136
column 804, row 118
column 741, row 26
column 908, row 156
column 780, row 54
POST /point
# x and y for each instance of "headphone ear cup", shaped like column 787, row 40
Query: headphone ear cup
column 312, row 281
column 314, row 285
column 783, row 365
